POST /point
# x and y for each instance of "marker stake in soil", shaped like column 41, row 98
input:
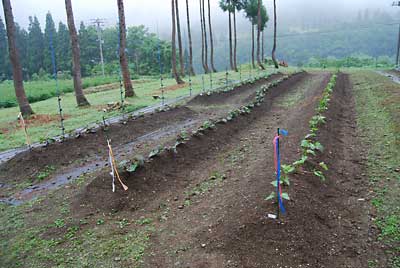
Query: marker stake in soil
column 23, row 126
column 121, row 88
column 277, row 160
column 114, row 171
column 53, row 61
column 226, row 76
column 211, row 81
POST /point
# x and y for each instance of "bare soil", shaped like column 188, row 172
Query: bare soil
column 327, row 224
column 206, row 201
column 88, row 149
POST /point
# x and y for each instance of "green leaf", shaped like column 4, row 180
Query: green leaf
column 305, row 144
column 132, row 167
column 301, row 161
column 274, row 183
column 323, row 165
column 309, row 151
column 287, row 169
column 285, row 180
column 311, row 135
column 271, row 196
column 155, row 152
column 285, row 196
column 319, row 146
column 319, row 174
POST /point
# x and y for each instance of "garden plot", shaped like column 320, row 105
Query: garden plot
column 58, row 163
column 203, row 206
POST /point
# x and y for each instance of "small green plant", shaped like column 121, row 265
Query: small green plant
column 71, row 232
column 183, row 136
column 301, row 161
column 319, row 174
column 155, row 152
column 309, row 145
column 123, row 223
column 100, row 222
column 272, row 196
column 207, row 125
column 45, row 173
column 144, row 221
column 323, row 165
column 287, row 169
column 132, row 167
column 316, row 121
column 59, row 223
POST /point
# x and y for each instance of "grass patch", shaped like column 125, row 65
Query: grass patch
column 378, row 117
column 43, row 90
column 38, row 239
column 205, row 186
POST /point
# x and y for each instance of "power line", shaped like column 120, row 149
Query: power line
column 99, row 23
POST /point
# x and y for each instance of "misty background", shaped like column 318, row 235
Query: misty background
column 307, row 29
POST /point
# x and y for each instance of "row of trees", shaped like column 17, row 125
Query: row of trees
column 67, row 43
column 38, row 60
column 254, row 10
column 33, row 47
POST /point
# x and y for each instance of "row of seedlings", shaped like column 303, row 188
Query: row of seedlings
column 231, row 87
column 132, row 165
column 310, row 145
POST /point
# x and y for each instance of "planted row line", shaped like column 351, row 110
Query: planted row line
column 310, row 146
column 184, row 136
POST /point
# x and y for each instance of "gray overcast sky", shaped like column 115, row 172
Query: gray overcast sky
column 151, row 12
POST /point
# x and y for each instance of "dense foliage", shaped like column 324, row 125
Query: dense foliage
column 33, row 46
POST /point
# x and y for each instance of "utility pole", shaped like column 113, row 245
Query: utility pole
column 100, row 22
column 397, row 4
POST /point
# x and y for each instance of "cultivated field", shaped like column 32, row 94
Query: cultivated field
column 199, row 173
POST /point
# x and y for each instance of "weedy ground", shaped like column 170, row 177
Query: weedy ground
column 378, row 117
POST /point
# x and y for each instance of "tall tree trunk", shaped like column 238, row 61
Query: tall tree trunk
column 213, row 69
column 173, row 42
column 23, row 103
column 76, row 55
column 191, row 69
column 230, row 40
column 235, row 41
column 258, row 36
column 205, row 38
column 122, row 54
column 274, row 46
column 262, row 46
column 252, row 46
column 202, row 38
column 178, row 26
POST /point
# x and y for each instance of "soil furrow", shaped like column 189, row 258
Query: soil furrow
column 88, row 152
column 213, row 230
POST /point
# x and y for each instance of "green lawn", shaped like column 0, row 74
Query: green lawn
column 12, row 136
column 42, row 90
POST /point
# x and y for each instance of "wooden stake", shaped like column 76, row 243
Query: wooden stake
column 115, row 166
column 23, row 126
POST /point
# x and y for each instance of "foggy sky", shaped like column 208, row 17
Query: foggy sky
column 157, row 12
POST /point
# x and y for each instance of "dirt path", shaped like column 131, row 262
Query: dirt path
column 62, row 162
